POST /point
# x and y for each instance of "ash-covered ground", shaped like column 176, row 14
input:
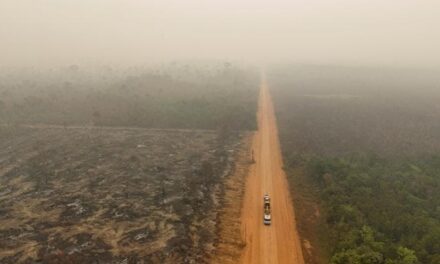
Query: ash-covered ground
column 103, row 195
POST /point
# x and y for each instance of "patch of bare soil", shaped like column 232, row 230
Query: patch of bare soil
column 310, row 220
column 230, row 243
column 111, row 195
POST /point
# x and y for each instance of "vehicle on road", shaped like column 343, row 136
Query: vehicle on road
column 267, row 218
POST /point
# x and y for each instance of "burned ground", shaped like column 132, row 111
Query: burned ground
column 106, row 195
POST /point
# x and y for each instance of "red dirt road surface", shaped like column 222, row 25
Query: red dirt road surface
column 279, row 242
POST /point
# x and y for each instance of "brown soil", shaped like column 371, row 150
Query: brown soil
column 279, row 242
column 230, row 245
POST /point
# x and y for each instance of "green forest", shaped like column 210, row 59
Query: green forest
column 380, row 210
column 366, row 149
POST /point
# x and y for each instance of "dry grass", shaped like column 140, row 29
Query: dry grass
column 81, row 195
column 230, row 243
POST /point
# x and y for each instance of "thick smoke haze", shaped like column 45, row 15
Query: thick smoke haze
column 369, row 32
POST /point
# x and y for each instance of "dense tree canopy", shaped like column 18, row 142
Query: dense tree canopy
column 379, row 210
column 368, row 141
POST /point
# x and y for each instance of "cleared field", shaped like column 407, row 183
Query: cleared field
column 101, row 195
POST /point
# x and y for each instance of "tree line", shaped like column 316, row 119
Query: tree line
column 176, row 96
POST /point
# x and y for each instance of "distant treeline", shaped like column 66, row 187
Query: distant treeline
column 368, row 141
column 338, row 110
column 176, row 96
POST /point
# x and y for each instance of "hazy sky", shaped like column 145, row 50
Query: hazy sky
column 390, row 32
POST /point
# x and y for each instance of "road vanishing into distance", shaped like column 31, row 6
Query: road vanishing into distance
column 279, row 242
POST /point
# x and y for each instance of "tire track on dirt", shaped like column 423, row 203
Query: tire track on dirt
column 279, row 242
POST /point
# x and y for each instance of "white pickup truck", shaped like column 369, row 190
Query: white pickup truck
column 267, row 218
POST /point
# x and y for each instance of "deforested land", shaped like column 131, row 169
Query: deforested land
column 122, row 167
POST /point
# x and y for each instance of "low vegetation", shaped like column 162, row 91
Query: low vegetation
column 365, row 145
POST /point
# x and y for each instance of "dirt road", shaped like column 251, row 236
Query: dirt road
column 278, row 243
